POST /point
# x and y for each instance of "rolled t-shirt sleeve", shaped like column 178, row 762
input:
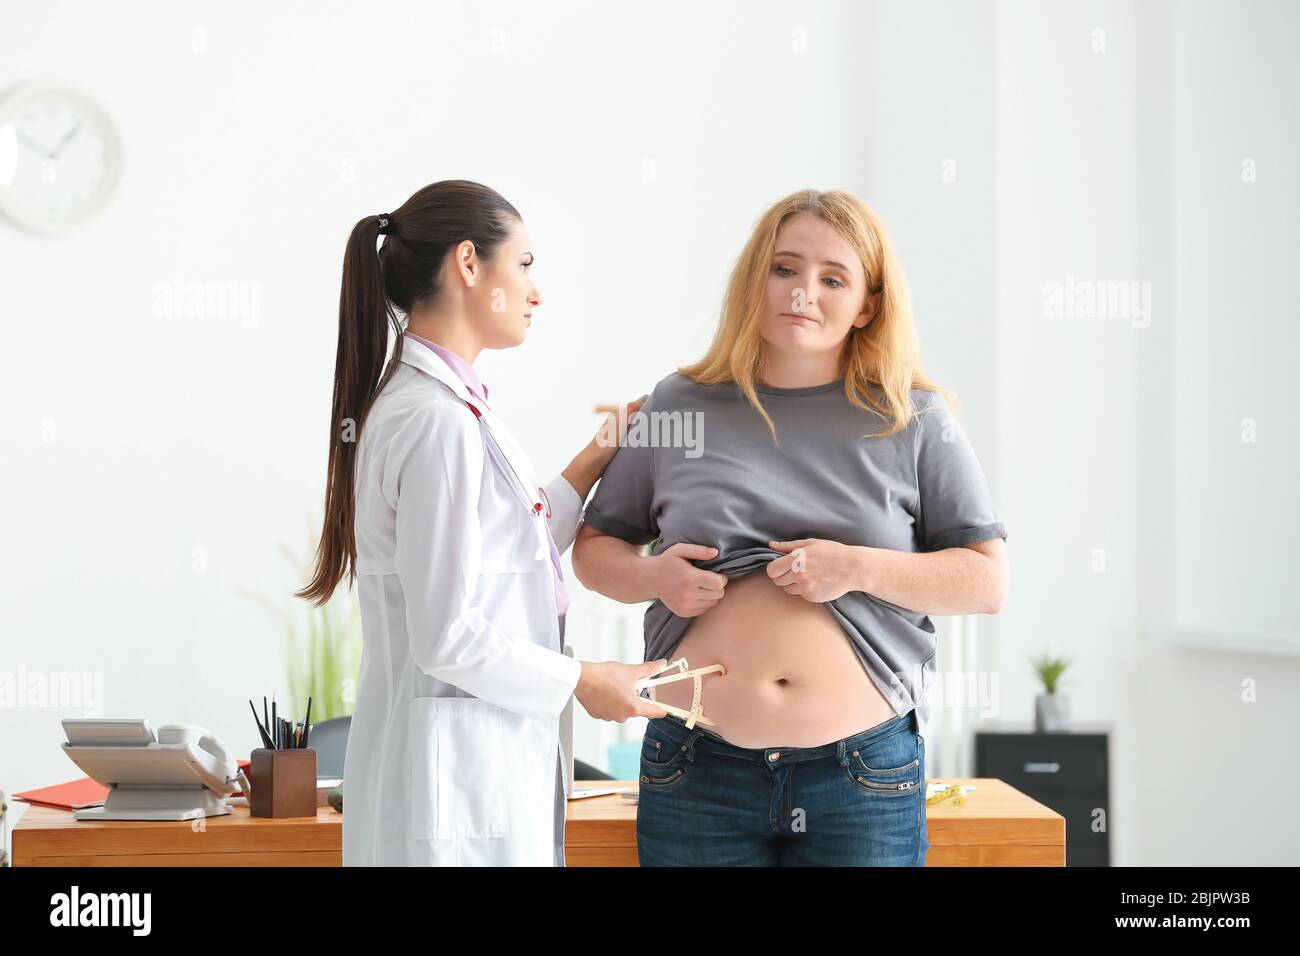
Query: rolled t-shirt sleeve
column 623, row 505
column 955, row 504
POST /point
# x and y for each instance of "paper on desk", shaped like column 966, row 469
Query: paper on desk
column 936, row 786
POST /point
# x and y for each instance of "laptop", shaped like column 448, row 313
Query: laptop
column 566, row 747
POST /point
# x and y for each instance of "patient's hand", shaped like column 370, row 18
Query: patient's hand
column 686, row 590
column 815, row 569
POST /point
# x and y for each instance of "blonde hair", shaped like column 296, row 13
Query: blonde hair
column 885, row 354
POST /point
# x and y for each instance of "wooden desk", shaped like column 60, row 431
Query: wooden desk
column 998, row 826
column 49, row 837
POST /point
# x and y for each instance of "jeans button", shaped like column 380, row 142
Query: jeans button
column 773, row 757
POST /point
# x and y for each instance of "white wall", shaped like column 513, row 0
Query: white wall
column 1086, row 405
column 640, row 145
column 1067, row 135
column 1205, row 715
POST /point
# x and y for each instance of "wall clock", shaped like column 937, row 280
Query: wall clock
column 60, row 157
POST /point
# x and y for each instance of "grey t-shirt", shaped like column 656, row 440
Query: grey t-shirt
column 699, row 465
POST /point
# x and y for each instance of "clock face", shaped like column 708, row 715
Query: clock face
column 60, row 158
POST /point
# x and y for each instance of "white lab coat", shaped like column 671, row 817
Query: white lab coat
column 454, row 753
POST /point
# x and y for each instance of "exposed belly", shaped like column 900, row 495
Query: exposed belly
column 792, row 680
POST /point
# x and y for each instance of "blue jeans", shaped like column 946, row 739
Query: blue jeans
column 859, row 801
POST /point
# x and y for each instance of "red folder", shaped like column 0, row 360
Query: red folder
column 73, row 795
column 77, row 794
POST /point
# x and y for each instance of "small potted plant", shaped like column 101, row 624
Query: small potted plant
column 1051, row 710
column 323, row 644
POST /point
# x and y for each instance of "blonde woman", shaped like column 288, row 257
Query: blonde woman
column 833, row 504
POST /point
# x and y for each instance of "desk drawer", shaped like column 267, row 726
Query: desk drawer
column 1084, row 846
column 1037, row 763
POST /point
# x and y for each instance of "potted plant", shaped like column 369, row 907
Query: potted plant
column 322, row 645
column 1051, row 709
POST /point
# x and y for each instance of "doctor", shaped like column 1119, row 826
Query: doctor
column 454, row 754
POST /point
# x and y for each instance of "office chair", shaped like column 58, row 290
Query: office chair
column 585, row 771
column 330, row 741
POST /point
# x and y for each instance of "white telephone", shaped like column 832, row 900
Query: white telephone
column 183, row 773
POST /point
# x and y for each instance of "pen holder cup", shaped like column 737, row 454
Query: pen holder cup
column 283, row 783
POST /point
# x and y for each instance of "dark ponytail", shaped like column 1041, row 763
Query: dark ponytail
column 402, row 276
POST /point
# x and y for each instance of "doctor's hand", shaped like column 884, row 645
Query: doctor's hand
column 613, row 432
column 815, row 569
column 585, row 470
column 605, row 690
column 686, row 590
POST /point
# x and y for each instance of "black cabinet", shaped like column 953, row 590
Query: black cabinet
column 1067, row 771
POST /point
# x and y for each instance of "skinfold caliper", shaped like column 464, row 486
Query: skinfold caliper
column 696, row 713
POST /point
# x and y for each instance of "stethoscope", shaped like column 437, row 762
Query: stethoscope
column 533, row 505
